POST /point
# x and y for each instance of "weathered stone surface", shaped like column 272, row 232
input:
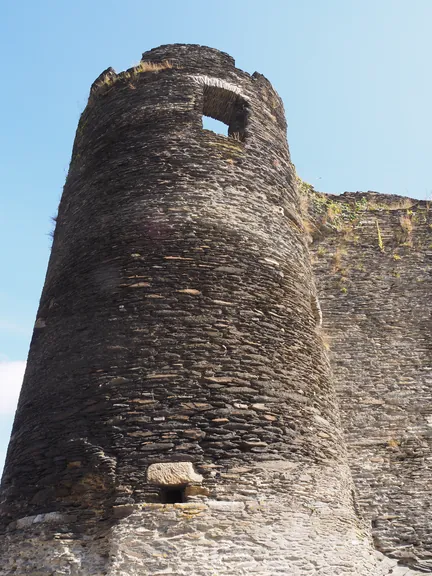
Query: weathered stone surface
column 181, row 331
column 226, row 537
column 373, row 266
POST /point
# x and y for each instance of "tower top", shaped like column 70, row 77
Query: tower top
column 188, row 53
column 213, row 69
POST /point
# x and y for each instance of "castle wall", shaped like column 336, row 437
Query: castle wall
column 373, row 266
column 263, row 535
column 178, row 413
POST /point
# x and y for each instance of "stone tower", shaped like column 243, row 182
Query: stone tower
column 177, row 414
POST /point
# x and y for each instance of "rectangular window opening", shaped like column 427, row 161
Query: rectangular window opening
column 224, row 112
column 216, row 126
column 173, row 495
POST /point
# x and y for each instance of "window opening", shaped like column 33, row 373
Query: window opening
column 172, row 495
column 224, row 106
column 216, row 126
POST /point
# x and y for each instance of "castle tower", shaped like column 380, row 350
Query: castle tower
column 177, row 414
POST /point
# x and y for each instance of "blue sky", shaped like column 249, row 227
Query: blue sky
column 354, row 76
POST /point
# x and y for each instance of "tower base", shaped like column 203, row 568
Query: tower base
column 288, row 533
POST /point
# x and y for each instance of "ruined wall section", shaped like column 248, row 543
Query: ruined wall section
column 177, row 328
column 373, row 264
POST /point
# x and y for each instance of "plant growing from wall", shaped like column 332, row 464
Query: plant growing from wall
column 407, row 224
column 380, row 240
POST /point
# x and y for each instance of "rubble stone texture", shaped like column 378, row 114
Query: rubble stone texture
column 373, row 264
column 178, row 413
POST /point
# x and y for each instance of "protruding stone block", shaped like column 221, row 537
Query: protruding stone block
column 172, row 474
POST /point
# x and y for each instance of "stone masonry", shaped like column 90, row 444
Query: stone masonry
column 179, row 414
column 373, row 264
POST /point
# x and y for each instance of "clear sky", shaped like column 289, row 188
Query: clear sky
column 354, row 76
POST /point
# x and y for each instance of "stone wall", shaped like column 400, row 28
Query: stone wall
column 178, row 414
column 269, row 527
column 373, row 266
column 178, row 327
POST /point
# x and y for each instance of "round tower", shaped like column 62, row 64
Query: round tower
column 177, row 414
